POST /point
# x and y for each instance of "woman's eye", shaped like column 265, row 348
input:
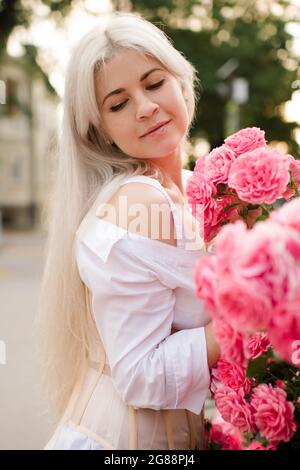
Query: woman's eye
column 121, row 105
column 118, row 106
column 156, row 85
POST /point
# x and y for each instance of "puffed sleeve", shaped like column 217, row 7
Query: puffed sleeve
column 133, row 311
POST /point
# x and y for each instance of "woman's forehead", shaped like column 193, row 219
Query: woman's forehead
column 127, row 62
column 122, row 69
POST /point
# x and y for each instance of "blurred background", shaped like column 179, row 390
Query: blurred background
column 247, row 55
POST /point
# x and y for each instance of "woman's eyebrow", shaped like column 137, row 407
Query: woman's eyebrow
column 120, row 90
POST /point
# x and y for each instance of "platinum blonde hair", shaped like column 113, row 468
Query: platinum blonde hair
column 89, row 169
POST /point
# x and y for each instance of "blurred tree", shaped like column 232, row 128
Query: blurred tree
column 254, row 34
column 209, row 33
column 18, row 12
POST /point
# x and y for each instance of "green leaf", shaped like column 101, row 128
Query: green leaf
column 262, row 440
column 294, row 186
column 261, row 218
column 257, row 367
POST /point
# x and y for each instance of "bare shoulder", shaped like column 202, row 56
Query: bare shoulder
column 143, row 209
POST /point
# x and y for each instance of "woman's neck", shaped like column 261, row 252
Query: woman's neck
column 171, row 168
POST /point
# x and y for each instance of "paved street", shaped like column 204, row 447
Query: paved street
column 24, row 422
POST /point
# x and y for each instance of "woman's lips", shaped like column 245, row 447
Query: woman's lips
column 158, row 131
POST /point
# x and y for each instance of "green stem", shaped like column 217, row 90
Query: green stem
column 223, row 194
column 267, row 208
column 294, row 186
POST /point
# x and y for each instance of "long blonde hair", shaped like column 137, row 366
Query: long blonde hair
column 88, row 166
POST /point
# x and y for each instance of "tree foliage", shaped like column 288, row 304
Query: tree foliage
column 15, row 12
column 209, row 33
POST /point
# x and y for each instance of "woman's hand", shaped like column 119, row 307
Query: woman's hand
column 213, row 348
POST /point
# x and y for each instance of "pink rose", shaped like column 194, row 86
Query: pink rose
column 227, row 441
column 218, row 163
column 284, row 330
column 242, row 304
column 205, row 208
column 210, row 232
column 216, row 217
column 225, row 434
column 215, row 383
column 269, row 257
column 258, row 344
column 234, row 409
column 256, row 445
column 200, row 194
column 234, row 376
column 280, row 384
column 238, row 295
column 260, row 176
column 256, row 272
column 246, row 140
column 288, row 215
column 199, row 167
column 295, row 171
column 234, row 214
column 231, row 341
column 228, row 245
column 221, row 204
column 273, row 414
column 199, row 190
column 204, row 276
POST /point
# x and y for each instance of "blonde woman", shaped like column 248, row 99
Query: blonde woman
column 126, row 346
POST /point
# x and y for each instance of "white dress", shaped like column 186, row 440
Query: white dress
column 152, row 329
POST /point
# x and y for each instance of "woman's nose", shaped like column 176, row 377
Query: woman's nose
column 146, row 108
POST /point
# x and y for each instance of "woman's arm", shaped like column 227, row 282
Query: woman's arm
column 134, row 313
column 212, row 346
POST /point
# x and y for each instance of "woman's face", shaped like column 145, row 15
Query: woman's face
column 128, row 114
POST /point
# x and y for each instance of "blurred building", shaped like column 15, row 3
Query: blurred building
column 28, row 120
